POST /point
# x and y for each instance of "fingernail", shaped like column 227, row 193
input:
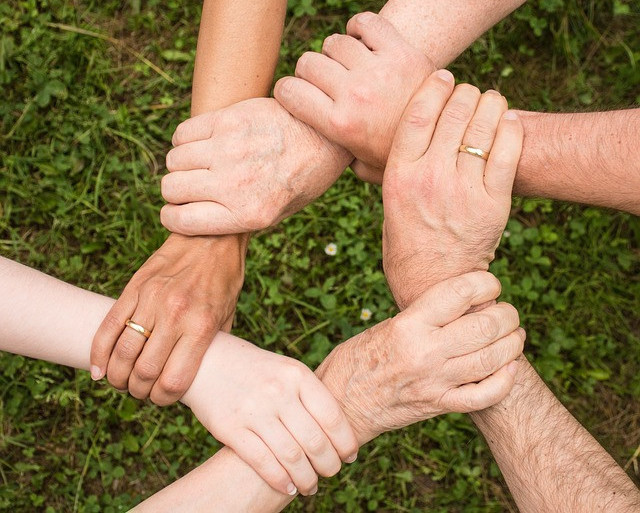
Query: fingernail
column 96, row 373
column 351, row 458
column 445, row 74
column 512, row 368
column 493, row 91
column 510, row 115
column 291, row 489
column 314, row 491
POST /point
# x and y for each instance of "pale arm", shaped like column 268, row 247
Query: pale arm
column 551, row 462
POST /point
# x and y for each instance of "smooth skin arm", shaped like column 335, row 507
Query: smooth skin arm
column 188, row 289
column 431, row 339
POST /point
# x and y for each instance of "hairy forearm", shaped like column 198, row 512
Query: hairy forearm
column 586, row 158
column 550, row 462
column 238, row 48
column 443, row 30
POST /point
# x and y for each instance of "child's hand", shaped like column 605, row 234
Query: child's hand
column 273, row 412
column 445, row 209
column 354, row 93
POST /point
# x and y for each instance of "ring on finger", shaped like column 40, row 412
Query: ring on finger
column 137, row 327
column 476, row 152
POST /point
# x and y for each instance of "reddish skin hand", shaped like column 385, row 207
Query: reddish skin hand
column 354, row 93
column 445, row 210
column 183, row 294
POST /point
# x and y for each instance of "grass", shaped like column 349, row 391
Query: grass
column 91, row 94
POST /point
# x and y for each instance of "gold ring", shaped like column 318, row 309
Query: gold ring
column 136, row 327
column 476, row 152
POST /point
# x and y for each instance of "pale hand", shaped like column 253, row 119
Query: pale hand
column 244, row 168
column 274, row 413
column 428, row 360
column 354, row 93
column 183, row 294
column 445, row 210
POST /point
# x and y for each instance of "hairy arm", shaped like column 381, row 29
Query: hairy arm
column 587, row 158
column 549, row 460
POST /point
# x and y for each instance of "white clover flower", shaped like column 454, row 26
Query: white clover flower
column 331, row 249
column 365, row 314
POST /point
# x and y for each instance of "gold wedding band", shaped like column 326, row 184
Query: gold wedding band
column 136, row 327
column 476, row 152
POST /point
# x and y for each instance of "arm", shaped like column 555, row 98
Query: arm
column 549, row 460
column 198, row 278
column 430, row 339
column 587, row 158
column 283, row 164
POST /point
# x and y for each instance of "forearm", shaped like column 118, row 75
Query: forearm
column 443, row 30
column 549, row 461
column 586, row 158
column 42, row 317
column 238, row 47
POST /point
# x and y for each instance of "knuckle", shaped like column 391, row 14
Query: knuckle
column 487, row 363
column 292, row 454
column 462, row 287
column 145, row 370
column 173, row 384
column 481, row 130
column 457, row 112
column 333, row 418
column 418, row 115
column 342, row 125
column 317, row 443
column 329, row 42
column 127, row 349
column 487, row 326
column 177, row 304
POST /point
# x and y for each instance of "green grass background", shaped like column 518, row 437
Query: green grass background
column 91, row 93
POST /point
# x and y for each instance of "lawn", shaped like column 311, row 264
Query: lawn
column 92, row 92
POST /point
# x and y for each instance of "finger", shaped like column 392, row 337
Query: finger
column 201, row 218
column 253, row 451
column 480, row 134
column 505, row 154
column 346, row 50
column 374, row 31
column 290, row 455
column 418, row 122
column 453, row 122
column 367, row 173
column 129, row 346
column 478, row 396
column 306, row 102
column 109, row 331
column 448, row 300
column 151, row 361
column 313, row 440
column 196, row 128
column 186, row 186
column 477, row 330
column 323, row 407
column 484, row 362
column 323, row 72
column 188, row 156
column 180, row 369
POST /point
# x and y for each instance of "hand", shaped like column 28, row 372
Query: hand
column 273, row 412
column 445, row 210
column 245, row 168
column 354, row 93
column 183, row 294
column 428, row 360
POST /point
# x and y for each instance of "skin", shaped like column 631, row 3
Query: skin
column 550, row 462
column 355, row 91
column 438, row 361
column 284, row 164
column 189, row 288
